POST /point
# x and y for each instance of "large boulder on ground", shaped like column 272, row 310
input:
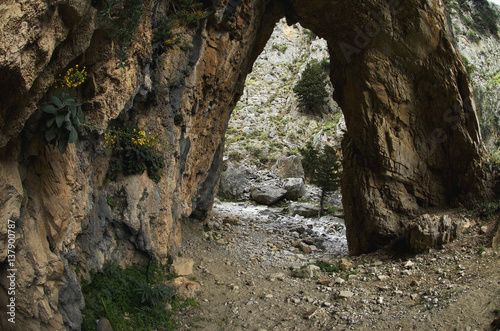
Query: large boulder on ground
column 304, row 209
column 235, row 181
column 182, row 266
column 267, row 195
column 184, row 287
column 432, row 231
column 290, row 167
column 295, row 188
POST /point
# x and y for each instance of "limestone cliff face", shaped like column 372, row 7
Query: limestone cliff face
column 412, row 139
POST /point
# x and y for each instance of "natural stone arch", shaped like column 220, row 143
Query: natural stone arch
column 413, row 137
column 413, row 140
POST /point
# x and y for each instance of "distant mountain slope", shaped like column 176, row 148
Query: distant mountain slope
column 267, row 123
column 475, row 25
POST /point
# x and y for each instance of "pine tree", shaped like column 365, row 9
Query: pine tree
column 322, row 168
column 311, row 88
column 310, row 157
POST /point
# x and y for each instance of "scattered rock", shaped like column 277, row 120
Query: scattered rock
column 184, row 287
column 434, row 231
column 295, row 188
column 346, row 294
column 409, row 264
column 267, row 195
column 306, row 249
column 182, row 266
column 345, row 264
column 104, row 325
column 312, row 313
column 277, row 276
column 290, row 167
column 339, row 281
column 304, row 209
column 230, row 220
column 307, row 272
column 383, row 278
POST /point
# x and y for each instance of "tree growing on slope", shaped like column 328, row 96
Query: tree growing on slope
column 322, row 168
column 311, row 88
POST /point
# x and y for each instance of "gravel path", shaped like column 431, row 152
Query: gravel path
column 257, row 272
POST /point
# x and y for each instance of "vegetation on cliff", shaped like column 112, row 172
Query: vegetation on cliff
column 311, row 88
column 132, row 299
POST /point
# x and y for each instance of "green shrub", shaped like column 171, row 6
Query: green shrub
column 255, row 151
column 235, row 156
column 329, row 267
column 135, row 151
column 63, row 119
column 181, row 13
column 483, row 19
column 263, row 159
column 125, row 17
column 164, row 38
column 281, row 48
column 470, row 68
column 125, row 297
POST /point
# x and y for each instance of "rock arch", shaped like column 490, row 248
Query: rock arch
column 413, row 137
column 413, row 140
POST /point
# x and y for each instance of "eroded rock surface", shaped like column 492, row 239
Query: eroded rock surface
column 412, row 141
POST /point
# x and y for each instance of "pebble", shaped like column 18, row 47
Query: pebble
column 409, row 264
column 383, row 277
column 346, row 294
column 339, row 280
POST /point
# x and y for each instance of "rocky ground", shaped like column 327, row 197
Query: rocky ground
column 257, row 269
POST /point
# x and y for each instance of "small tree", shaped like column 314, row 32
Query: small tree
column 311, row 88
column 322, row 168
column 310, row 158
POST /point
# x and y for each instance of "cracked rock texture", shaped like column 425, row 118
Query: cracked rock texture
column 412, row 141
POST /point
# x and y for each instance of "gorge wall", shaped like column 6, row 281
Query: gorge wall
column 413, row 140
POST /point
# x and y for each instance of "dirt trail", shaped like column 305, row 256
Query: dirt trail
column 244, row 266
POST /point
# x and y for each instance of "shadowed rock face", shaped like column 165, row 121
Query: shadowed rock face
column 412, row 140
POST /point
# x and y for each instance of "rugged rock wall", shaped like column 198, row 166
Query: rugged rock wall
column 413, row 140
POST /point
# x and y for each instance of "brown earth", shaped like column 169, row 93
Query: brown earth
column 248, row 285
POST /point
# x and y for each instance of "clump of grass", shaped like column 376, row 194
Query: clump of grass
column 132, row 299
column 329, row 267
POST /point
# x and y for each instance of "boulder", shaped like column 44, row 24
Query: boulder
column 267, row 195
column 290, row 167
column 184, row 287
column 104, row 325
column 235, row 180
column 295, row 188
column 304, row 209
column 432, row 231
column 182, row 266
